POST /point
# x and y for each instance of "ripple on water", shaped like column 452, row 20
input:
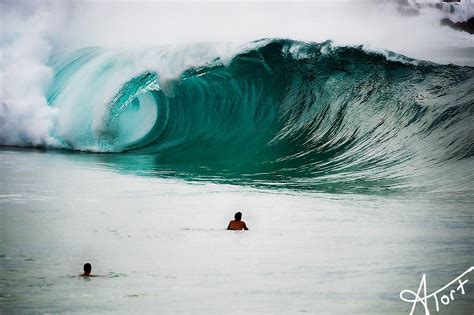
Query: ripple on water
column 112, row 274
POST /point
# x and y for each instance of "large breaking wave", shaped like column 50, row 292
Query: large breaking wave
column 274, row 111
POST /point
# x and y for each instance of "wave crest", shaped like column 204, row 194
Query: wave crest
column 291, row 109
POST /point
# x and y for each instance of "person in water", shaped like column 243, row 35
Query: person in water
column 237, row 224
column 87, row 270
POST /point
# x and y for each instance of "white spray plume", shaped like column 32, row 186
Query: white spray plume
column 25, row 117
column 359, row 22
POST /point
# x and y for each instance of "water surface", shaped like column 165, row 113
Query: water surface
column 159, row 244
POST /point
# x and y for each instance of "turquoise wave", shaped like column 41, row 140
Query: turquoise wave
column 280, row 111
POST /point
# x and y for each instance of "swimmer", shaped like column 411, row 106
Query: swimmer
column 237, row 224
column 87, row 270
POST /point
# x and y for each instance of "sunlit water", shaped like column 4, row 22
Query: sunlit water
column 159, row 245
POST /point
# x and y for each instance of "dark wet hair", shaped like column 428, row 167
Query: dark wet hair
column 238, row 216
column 87, row 268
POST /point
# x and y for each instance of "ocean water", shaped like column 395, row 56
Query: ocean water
column 353, row 170
column 159, row 245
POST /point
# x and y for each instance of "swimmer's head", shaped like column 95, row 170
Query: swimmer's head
column 238, row 216
column 87, row 269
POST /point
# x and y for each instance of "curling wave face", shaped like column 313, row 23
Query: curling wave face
column 304, row 114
